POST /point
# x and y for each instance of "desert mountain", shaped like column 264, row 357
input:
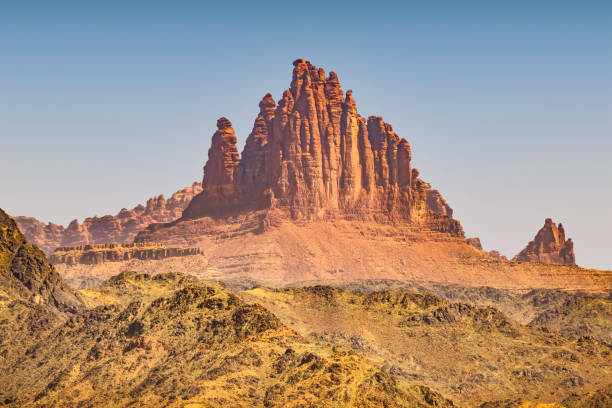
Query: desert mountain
column 173, row 340
column 549, row 246
column 119, row 228
column 196, row 346
column 573, row 314
column 311, row 155
column 26, row 275
column 273, row 250
column 33, row 296
column 165, row 341
column 319, row 192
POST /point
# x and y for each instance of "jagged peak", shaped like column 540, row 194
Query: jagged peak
column 267, row 106
column 549, row 246
column 349, row 102
column 223, row 156
column 223, row 123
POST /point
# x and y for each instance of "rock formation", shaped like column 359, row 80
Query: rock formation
column 170, row 341
column 97, row 254
column 100, row 230
column 549, row 246
column 475, row 242
column 313, row 156
column 25, row 273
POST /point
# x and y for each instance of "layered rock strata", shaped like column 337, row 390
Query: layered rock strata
column 313, row 156
column 549, row 246
column 121, row 227
column 97, row 254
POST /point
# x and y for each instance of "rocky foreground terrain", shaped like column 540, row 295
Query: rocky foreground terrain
column 174, row 340
column 486, row 355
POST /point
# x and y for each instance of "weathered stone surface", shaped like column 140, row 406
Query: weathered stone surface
column 219, row 192
column 313, row 156
column 475, row 242
column 495, row 254
column 549, row 246
column 122, row 227
column 25, row 273
column 100, row 253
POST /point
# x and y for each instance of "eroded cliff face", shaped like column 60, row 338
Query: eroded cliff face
column 121, row 227
column 101, row 253
column 549, row 246
column 313, row 156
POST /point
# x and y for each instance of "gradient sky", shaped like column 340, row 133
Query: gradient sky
column 507, row 104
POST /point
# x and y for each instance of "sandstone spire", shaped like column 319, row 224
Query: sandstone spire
column 312, row 155
column 549, row 246
column 218, row 184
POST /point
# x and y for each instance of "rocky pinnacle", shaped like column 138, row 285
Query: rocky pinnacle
column 313, row 156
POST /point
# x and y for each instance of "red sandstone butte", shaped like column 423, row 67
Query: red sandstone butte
column 312, row 156
column 549, row 246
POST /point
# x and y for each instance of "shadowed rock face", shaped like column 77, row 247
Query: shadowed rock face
column 312, row 155
column 25, row 273
column 549, row 246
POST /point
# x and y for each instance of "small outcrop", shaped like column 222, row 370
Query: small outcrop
column 475, row 242
column 121, row 227
column 549, row 246
column 100, row 253
column 495, row 254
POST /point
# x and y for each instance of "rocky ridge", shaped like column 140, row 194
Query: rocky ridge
column 26, row 274
column 178, row 343
column 574, row 314
column 265, row 247
column 121, row 227
column 313, row 156
column 472, row 354
column 171, row 340
column 94, row 254
column 33, row 296
column 549, row 246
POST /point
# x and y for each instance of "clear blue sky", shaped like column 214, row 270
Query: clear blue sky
column 507, row 104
